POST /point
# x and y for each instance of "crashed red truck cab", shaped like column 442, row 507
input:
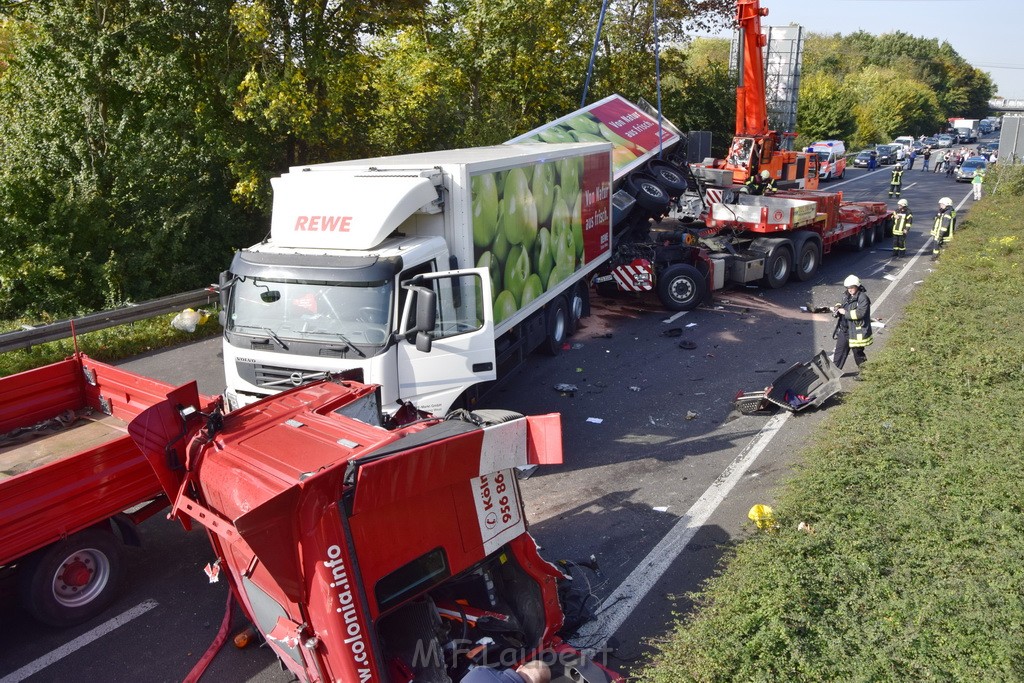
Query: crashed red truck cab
column 367, row 551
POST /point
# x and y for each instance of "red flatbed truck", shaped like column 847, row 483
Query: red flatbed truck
column 73, row 484
column 364, row 550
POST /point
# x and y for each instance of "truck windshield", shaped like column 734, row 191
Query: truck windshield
column 351, row 313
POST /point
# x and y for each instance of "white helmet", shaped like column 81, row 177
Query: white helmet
column 945, row 201
column 852, row 281
column 766, row 175
column 902, row 202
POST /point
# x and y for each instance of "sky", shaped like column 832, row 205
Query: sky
column 989, row 34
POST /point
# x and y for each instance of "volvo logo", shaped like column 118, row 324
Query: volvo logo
column 296, row 378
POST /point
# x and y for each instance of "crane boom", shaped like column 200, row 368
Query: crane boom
column 751, row 107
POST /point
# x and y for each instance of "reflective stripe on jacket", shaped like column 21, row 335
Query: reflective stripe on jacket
column 897, row 175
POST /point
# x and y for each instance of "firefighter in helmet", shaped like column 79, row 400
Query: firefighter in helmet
column 942, row 229
column 853, row 327
column 902, row 220
column 761, row 184
column 896, row 182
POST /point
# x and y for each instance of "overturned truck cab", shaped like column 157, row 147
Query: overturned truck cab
column 367, row 547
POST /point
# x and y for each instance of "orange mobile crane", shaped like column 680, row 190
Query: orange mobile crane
column 755, row 147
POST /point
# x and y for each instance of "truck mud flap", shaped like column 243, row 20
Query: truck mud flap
column 804, row 385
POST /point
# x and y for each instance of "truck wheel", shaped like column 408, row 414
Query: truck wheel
column 681, row 287
column 579, row 304
column 869, row 235
column 857, row 241
column 880, row 232
column 808, row 261
column 557, row 325
column 73, row 580
column 778, row 267
column 669, row 176
column 649, row 195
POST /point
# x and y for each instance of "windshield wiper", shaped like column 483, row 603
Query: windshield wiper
column 274, row 336
column 346, row 340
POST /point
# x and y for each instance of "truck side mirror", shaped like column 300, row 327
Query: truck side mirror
column 426, row 318
column 223, row 287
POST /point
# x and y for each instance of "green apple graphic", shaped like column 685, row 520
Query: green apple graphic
column 559, row 273
column 517, row 269
column 561, row 221
column 543, row 188
column 504, row 307
column 555, row 134
column 519, row 208
column 533, row 289
column 543, row 257
column 569, row 174
column 585, row 123
column 488, row 261
column 501, row 245
column 587, row 137
column 485, row 209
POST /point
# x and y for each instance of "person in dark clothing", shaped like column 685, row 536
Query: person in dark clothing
column 926, row 155
column 902, row 220
column 853, row 329
column 761, row 184
column 531, row 672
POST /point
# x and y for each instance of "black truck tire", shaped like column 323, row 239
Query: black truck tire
column 808, row 260
column 556, row 323
column 857, row 242
column 681, row 287
column 579, row 304
column 73, row 580
column 668, row 175
column 778, row 266
column 648, row 192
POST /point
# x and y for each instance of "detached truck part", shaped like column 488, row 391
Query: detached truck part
column 365, row 551
column 72, row 482
column 337, row 286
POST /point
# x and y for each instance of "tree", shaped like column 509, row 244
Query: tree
column 825, row 109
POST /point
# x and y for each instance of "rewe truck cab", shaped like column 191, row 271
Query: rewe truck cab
column 503, row 238
column 364, row 550
column 831, row 158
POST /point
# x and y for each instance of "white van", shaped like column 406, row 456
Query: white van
column 831, row 158
column 907, row 141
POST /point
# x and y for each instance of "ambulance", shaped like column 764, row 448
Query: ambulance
column 831, row 158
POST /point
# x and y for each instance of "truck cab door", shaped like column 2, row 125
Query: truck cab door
column 436, row 365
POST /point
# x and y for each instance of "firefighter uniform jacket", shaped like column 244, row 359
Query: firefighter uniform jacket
column 945, row 223
column 897, row 175
column 755, row 185
column 857, row 321
column 902, row 221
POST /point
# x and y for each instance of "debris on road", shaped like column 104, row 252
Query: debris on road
column 569, row 389
column 595, row 420
column 672, row 332
column 687, row 344
column 762, row 516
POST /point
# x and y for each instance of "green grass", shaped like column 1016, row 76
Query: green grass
column 113, row 343
column 913, row 487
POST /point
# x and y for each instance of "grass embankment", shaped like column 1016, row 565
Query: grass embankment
column 113, row 343
column 914, row 489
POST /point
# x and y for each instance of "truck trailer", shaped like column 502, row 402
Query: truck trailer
column 502, row 238
column 73, row 485
column 368, row 549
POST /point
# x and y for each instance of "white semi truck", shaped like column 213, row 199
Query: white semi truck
column 428, row 274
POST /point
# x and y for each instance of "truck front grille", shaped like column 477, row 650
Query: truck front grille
column 279, row 378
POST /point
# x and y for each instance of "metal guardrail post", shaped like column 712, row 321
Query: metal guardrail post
column 23, row 339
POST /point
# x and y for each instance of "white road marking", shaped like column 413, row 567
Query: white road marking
column 618, row 606
column 78, row 643
column 673, row 318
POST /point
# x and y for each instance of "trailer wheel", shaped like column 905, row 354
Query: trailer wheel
column 668, row 175
column 72, row 581
column 557, row 326
column 579, row 304
column 649, row 194
column 857, row 241
column 681, row 287
column 880, row 232
column 869, row 235
column 808, row 261
column 778, row 267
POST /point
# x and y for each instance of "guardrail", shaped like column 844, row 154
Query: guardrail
column 23, row 339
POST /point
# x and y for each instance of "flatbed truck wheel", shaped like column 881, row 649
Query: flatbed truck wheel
column 778, row 266
column 808, row 260
column 681, row 287
column 73, row 580
column 858, row 241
